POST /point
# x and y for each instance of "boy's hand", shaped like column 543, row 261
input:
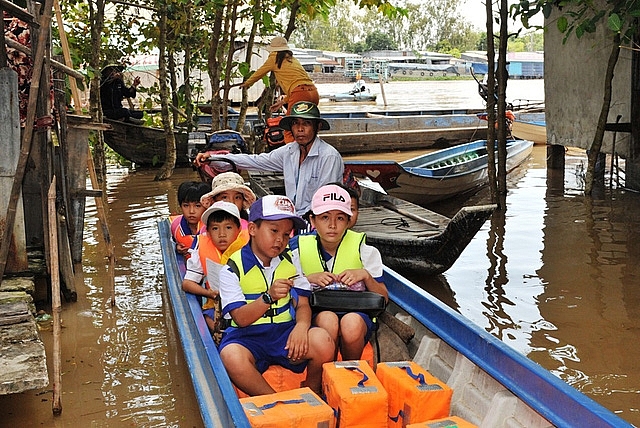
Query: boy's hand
column 211, row 294
column 182, row 249
column 297, row 344
column 280, row 288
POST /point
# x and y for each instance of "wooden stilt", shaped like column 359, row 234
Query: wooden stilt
column 384, row 96
column 56, row 306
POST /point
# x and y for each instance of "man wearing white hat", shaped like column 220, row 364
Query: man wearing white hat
column 290, row 75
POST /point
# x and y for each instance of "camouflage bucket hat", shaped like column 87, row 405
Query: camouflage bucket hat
column 304, row 110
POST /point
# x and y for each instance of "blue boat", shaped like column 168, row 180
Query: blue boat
column 438, row 175
column 494, row 386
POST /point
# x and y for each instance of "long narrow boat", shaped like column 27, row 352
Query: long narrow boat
column 493, row 385
column 357, row 97
column 407, row 235
column 143, row 145
column 384, row 130
column 438, row 175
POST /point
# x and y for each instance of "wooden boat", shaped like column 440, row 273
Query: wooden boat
column 407, row 235
column 143, row 145
column 493, row 385
column 439, row 175
column 355, row 97
column 535, row 131
column 384, row 130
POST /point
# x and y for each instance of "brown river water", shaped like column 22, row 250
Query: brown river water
column 557, row 280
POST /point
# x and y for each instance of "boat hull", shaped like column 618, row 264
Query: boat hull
column 534, row 131
column 385, row 130
column 426, row 179
column 143, row 145
column 354, row 98
column 493, row 384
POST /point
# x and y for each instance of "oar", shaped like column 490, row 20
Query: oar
column 406, row 213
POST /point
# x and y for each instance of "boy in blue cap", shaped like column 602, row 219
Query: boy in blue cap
column 267, row 300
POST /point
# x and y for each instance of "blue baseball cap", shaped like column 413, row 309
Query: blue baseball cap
column 275, row 207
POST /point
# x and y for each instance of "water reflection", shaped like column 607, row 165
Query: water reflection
column 556, row 278
column 137, row 375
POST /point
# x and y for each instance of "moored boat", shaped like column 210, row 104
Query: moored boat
column 408, row 236
column 493, row 385
column 143, row 145
column 355, row 97
column 383, row 130
column 438, row 175
column 535, row 131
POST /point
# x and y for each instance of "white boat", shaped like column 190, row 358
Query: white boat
column 438, row 175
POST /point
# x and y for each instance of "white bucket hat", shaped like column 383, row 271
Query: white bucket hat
column 278, row 44
column 220, row 206
column 228, row 181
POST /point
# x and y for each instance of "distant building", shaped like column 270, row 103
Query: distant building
column 411, row 63
column 520, row 65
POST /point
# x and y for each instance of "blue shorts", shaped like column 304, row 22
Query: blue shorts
column 211, row 313
column 266, row 342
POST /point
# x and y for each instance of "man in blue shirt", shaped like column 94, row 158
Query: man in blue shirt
column 306, row 165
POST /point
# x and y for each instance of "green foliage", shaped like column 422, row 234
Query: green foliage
column 581, row 17
column 419, row 26
column 379, row 41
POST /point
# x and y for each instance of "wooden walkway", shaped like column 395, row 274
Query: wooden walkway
column 22, row 354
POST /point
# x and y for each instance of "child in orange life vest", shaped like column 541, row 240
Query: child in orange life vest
column 336, row 257
column 230, row 187
column 186, row 226
column 222, row 238
column 269, row 325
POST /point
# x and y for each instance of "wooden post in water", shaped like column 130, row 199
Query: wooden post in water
column 384, row 97
column 56, row 306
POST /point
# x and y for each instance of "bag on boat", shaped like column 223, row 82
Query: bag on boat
column 415, row 395
column 227, row 139
column 355, row 394
column 368, row 302
column 289, row 409
column 273, row 133
column 451, row 421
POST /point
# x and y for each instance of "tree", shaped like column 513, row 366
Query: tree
column 379, row 41
column 580, row 17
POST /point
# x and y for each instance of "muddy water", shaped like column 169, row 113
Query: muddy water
column 557, row 279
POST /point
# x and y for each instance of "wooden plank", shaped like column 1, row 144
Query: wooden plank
column 19, row 13
column 55, row 64
column 56, row 305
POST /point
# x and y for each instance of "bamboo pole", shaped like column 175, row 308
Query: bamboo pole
column 67, row 56
column 27, row 136
column 91, row 167
column 56, row 306
column 102, row 217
